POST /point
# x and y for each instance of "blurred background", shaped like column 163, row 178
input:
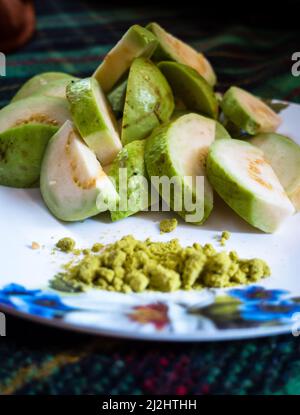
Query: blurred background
column 249, row 43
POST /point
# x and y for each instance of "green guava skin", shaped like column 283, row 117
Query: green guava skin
column 136, row 42
column 159, row 162
column 221, row 131
column 235, row 112
column 244, row 202
column 116, row 98
column 165, row 52
column 130, row 157
column 149, row 101
column 21, row 152
column 191, row 88
column 34, row 84
column 284, row 156
column 72, row 179
column 97, row 130
column 160, row 53
column 36, row 109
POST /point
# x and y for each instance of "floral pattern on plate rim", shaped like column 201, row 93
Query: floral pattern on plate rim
column 236, row 308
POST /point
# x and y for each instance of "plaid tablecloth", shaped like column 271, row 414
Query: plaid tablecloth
column 73, row 37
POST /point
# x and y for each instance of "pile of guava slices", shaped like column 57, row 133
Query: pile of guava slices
column 150, row 108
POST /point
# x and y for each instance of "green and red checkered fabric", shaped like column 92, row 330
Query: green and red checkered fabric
column 73, row 37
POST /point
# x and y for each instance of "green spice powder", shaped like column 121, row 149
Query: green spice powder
column 224, row 237
column 66, row 244
column 168, row 225
column 130, row 265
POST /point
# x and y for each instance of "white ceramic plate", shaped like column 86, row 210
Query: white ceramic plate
column 271, row 308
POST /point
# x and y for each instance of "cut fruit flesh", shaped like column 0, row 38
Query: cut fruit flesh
column 34, row 110
column 191, row 88
column 131, row 158
column 34, row 84
column 284, row 156
column 137, row 42
column 149, row 101
column 94, row 119
column 247, row 183
column 220, row 130
column 73, row 183
column 178, row 150
column 171, row 48
column 21, row 153
column 55, row 88
column 248, row 112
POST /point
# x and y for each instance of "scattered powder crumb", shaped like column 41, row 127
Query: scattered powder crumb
column 130, row 265
column 224, row 237
column 97, row 247
column 66, row 244
column 35, row 245
column 168, row 225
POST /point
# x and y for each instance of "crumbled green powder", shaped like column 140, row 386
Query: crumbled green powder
column 224, row 237
column 168, row 225
column 66, row 244
column 97, row 247
column 130, row 265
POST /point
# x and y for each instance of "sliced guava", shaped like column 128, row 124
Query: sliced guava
column 55, row 88
column 136, row 42
column 34, row 110
column 129, row 174
column 284, row 156
column 34, row 84
column 191, row 88
column 149, row 101
column 171, row 48
column 116, row 98
column 73, row 183
column 221, row 131
column 21, row 153
column 178, row 150
column 247, row 183
column 93, row 117
column 248, row 112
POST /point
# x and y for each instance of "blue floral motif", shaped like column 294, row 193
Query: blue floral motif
column 265, row 305
column 257, row 294
column 17, row 289
column 250, row 307
column 5, row 300
column 36, row 302
column 269, row 311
